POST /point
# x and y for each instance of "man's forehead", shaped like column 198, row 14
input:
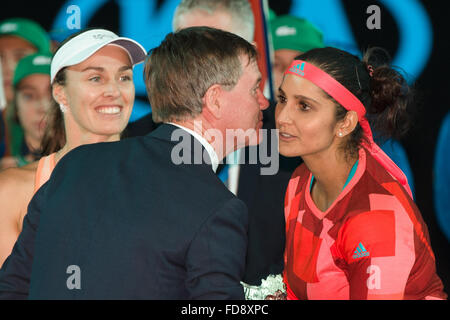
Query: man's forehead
column 251, row 65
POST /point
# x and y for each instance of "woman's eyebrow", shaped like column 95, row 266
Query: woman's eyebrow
column 124, row 68
column 305, row 98
column 298, row 96
column 99, row 69
column 26, row 87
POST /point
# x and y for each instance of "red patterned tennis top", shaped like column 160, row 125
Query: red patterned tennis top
column 371, row 243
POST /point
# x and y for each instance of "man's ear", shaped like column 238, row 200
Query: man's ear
column 211, row 101
column 59, row 94
column 348, row 124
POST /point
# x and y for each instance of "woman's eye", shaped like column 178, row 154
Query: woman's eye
column 304, row 106
column 281, row 99
column 94, row 79
column 27, row 96
column 125, row 78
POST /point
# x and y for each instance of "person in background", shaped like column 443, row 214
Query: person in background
column 441, row 177
column 18, row 38
column 32, row 100
column 292, row 36
column 353, row 230
column 234, row 16
column 94, row 95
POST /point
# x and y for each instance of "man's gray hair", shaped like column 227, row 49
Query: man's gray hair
column 240, row 11
column 187, row 63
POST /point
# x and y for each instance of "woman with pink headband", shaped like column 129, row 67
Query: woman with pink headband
column 352, row 228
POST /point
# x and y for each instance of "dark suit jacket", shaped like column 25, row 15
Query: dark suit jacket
column 264, row 197
column 140, row 127
column 137, row 226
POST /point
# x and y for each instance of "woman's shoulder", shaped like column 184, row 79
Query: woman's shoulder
column 17, row 182
column 16, row 191
column 19, row 174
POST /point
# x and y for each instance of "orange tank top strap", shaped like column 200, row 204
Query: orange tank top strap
column 44, row 170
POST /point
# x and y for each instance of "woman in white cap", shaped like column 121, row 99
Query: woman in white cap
column 92, row 84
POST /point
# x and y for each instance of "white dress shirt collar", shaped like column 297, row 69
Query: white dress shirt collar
column 211, row 152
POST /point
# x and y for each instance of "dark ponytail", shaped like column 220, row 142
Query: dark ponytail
column 390, row 95
column 381, row 89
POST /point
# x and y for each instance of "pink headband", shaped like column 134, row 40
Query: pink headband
column 346, row 99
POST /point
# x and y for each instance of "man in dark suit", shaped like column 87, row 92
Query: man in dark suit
column 263, row 194
column 146, row 217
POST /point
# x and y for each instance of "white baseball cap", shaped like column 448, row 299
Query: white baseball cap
column 84, row 45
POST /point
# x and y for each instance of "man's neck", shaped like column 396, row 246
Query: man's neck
column 203, row 128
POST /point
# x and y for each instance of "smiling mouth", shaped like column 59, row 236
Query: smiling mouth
column 285, row 136
column 109, row 109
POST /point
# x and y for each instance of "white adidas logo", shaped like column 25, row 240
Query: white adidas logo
column 360, row 252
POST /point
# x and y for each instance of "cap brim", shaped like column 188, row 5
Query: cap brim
column 135, row 51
